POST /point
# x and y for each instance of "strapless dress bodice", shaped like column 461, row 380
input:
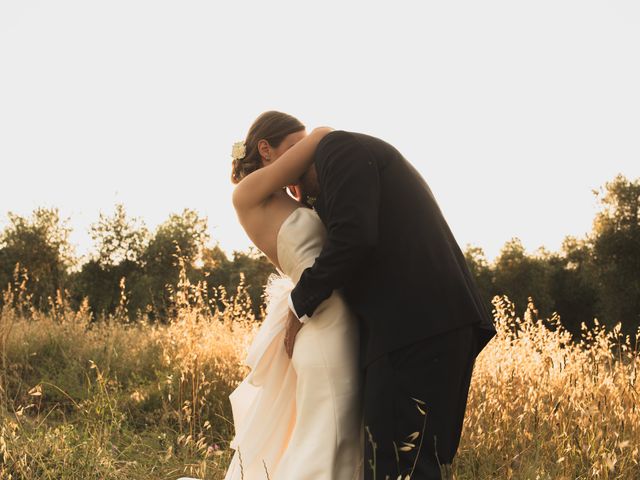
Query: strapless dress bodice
column 299, row 241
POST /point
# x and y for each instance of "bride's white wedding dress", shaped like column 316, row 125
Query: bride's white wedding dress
column 300, row 418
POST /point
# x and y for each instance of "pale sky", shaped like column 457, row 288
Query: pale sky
column 512, row 111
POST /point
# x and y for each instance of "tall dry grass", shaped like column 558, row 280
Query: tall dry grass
column 546, row 406
column 82, row 398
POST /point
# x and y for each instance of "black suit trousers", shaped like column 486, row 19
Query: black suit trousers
column 432, row 375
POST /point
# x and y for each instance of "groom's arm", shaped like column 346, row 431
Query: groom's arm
column 348, row 176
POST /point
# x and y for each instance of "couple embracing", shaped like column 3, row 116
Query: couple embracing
column 362, row 365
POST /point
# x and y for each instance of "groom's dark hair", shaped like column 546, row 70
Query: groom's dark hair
column 271, row 126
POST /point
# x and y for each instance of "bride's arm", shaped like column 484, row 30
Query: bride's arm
column 259, row 185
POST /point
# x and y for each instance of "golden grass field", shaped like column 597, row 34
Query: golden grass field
column 108, row 399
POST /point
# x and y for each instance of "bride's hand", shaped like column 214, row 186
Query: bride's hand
column 293, row 327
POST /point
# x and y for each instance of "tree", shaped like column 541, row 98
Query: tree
column 256, row 268
column 41, row 245
column 482, row 273
column 118, row 238
column 119, row 244
column 520, row 276
column 573, row 284
column 182, row 234
column 218, row 271
column 616, row 252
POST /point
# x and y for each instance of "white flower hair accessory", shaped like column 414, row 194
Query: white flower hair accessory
column 238, row 151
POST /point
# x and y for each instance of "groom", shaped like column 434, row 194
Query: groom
column 391, row 253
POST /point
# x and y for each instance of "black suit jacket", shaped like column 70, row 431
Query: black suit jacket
column 388, row 249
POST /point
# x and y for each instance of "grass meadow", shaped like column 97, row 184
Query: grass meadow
column 85, row 398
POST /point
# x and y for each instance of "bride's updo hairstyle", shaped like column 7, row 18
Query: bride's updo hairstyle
column 271, row 126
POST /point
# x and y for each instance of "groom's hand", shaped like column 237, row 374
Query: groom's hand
column 293, row 327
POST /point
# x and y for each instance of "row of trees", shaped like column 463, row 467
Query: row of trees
column 593, row 277
column 127, row 258
column 597, row 276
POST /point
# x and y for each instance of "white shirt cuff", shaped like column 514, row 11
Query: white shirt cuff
column 303, row 318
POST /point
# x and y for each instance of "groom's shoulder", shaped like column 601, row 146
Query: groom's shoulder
column 330, row 145
column 345, row 136
column 339, row 143
column 335, row 135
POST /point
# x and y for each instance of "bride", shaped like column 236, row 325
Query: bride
column 295, row 417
